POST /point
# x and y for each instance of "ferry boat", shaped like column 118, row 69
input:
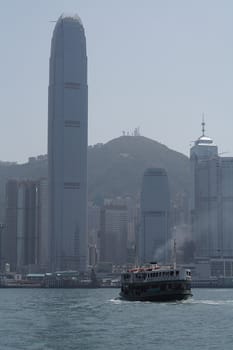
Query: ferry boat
column 156, row 283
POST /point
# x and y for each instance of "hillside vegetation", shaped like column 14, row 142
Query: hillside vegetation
column 115, row 168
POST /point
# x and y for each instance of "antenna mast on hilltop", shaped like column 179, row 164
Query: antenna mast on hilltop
column 203, row 124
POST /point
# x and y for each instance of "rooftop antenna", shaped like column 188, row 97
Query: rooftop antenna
column 203, row 124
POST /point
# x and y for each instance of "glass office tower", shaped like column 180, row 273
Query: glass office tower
column 67, row 146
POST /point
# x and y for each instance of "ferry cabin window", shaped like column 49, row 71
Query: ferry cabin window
column 177, row 273
column 171, row 273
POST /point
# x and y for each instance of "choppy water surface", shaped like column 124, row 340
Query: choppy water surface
column 95, row 319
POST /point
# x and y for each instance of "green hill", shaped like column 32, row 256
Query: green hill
column 115, row 168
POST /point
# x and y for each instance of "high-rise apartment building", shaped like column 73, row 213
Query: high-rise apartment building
column 42, row 218
column 9, row 238
column 25, row 239
column 212, row 200
column 113, row 234
column 67, row 146
column 27, row 230
column 154, row 230
column 93, row 223
column 93, row 233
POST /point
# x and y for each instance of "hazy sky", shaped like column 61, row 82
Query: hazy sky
column 156, row 64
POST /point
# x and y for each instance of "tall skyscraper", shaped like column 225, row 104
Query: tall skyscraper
column 154, row 230
column 212, row 199
column 67, row 145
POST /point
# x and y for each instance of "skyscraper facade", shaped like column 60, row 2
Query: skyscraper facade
column 67, row 145
column 113, row 234
column 154, row 230
column 212, row 200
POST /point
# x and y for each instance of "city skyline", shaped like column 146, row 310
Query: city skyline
column 181, row 54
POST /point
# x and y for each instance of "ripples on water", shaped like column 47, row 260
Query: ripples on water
column 60, row 319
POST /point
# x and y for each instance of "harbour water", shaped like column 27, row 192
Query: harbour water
column 63, row 319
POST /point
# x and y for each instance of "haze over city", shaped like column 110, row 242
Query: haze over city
column 158, row 65
column 85, row 232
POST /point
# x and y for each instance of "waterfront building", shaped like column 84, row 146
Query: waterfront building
column 67, row 146
column 93, row 223
column 93, row 255
column 43, row 236
column 27, row 230
column 93, row 233
column 212, row 200
column 9, row 238
column 25, row 240
column 154, row 233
